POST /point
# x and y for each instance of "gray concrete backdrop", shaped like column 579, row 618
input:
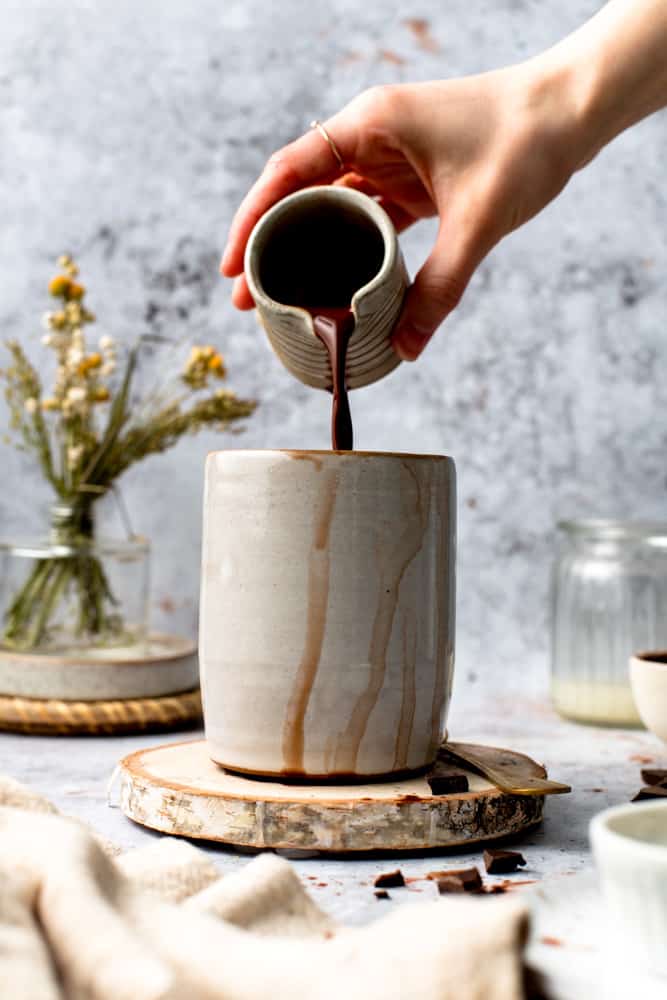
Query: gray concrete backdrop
column 128, row 133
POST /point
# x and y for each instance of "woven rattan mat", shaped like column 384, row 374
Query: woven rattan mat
column 99, row 718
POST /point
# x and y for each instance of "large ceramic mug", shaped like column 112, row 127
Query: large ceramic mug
column 327, row 246
column 327, row 611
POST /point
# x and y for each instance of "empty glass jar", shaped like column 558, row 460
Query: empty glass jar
column 609, row 601
column 73, row 591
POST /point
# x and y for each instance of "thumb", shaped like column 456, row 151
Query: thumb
column 435, row 292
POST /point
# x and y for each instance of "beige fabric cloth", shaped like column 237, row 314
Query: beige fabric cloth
column 159, row 923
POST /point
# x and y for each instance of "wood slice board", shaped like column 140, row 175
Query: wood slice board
column 178, row 789
column 50, row 717
column 161, row 665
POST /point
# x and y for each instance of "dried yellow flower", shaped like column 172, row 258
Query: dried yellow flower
column 58, row 320
column 203, row 361
column 50, row 403
column 68, row 265
column 90, row 363
column 76, row 394
column 216, row 365
column 62, row 287
column 59, row 286
column 101, row 394
column 73, row 313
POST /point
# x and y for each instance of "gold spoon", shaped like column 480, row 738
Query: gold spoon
column 511, row 773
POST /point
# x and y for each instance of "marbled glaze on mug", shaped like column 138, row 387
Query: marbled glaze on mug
column 327, row 610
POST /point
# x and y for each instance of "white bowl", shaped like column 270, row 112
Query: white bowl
column 648, row 677
column 630, row 849
column 161, row 665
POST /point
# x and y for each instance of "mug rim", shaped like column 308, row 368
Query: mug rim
column 333, row 193
column 260, row 452
column 603, row 834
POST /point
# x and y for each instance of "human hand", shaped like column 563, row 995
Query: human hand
column 484, row 153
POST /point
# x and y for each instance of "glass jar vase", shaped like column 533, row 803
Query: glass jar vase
column 609, row 600
column 73, row 590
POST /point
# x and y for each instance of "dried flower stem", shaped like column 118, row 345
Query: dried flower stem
column 82, row 455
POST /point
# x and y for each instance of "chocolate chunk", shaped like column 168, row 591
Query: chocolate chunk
column 499, row 862
column 381, row 894
column 446, row 782
column 389, row 880
column 654, row 776
column 461, row 880
column 651, row 792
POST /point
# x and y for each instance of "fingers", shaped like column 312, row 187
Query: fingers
column 358, row 182
column 402, row 220
column 241, row 296
column 398, row 215
column 308, row 160
column 437, row 288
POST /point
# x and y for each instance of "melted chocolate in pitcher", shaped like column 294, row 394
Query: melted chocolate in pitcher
column 317, row 261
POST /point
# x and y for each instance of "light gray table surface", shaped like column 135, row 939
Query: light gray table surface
column 602, row 765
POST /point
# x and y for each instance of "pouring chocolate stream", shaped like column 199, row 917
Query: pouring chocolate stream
column 334, row 327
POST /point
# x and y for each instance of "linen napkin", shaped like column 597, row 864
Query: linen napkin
column 159, row 923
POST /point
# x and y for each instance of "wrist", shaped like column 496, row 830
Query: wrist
column 567, row 94
column 608, row 75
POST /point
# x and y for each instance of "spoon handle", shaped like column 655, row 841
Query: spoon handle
column 511, row 774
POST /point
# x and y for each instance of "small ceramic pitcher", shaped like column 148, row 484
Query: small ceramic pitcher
column 318, row 243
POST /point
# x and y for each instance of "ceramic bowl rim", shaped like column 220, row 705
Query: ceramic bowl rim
column 601, row 834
